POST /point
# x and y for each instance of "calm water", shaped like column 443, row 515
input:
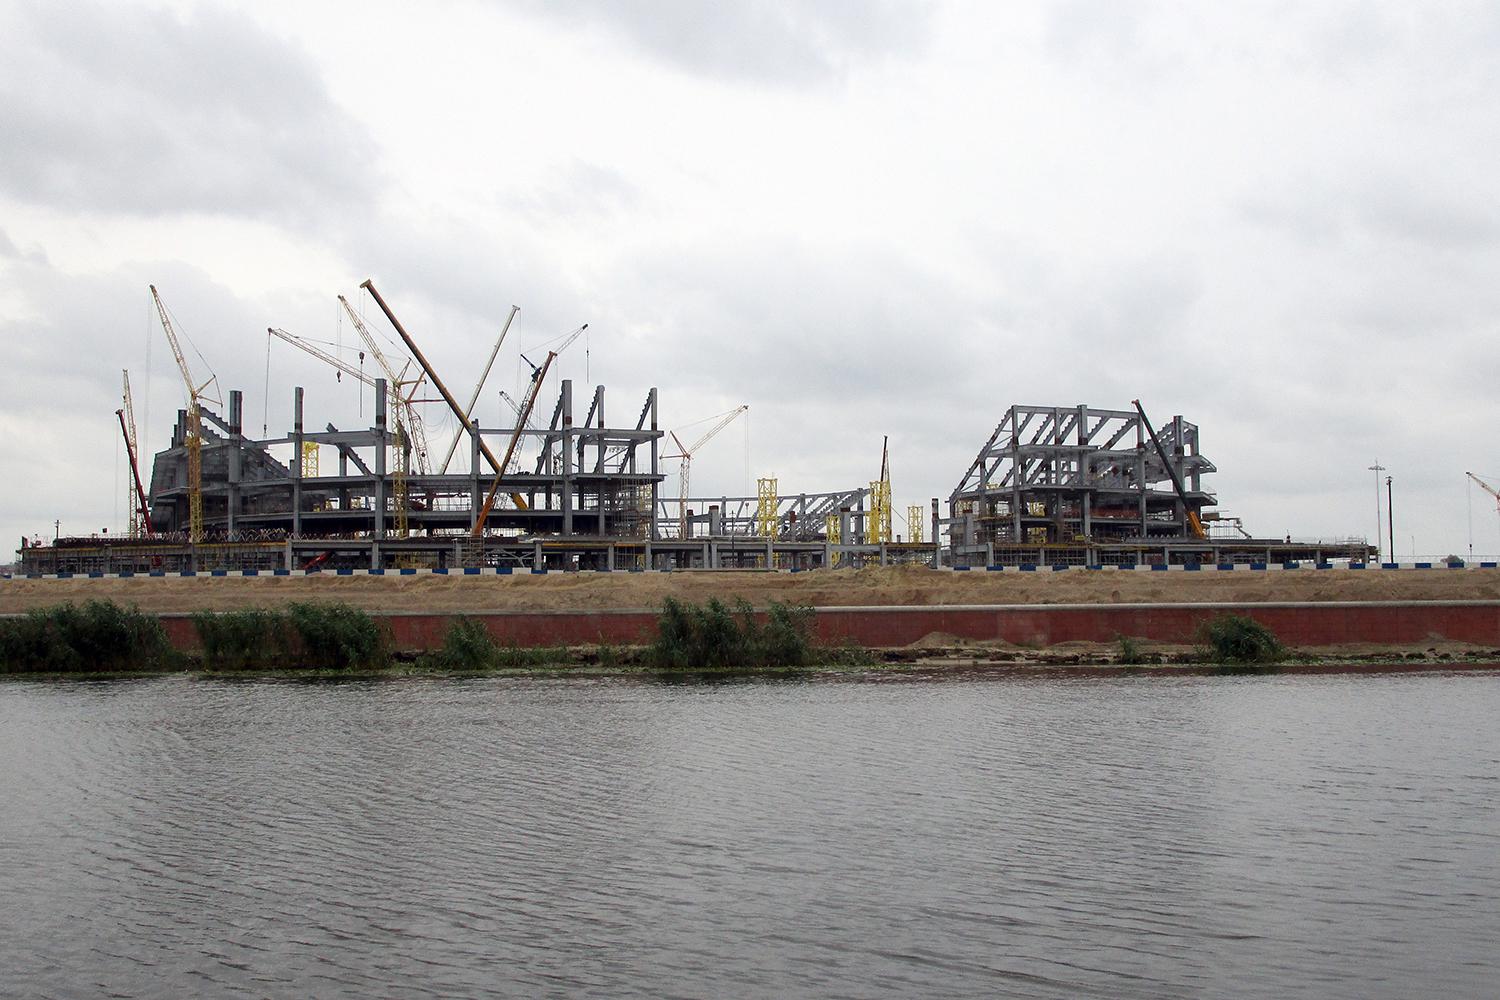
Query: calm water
column 1195, row 837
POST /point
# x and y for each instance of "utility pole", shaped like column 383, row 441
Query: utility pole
column 1391, row 517
column 56, row 529
column 1377, row 468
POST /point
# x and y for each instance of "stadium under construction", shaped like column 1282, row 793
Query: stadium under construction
column 1051, row 486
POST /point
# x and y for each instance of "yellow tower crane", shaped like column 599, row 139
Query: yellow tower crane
column 197, row 393
column 685, row 454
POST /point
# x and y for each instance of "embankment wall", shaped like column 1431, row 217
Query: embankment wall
column 1299, row 625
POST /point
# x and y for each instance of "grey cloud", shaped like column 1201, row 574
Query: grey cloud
column 124, row 109
column 761, row 40
column 1433, row 213
column 7, row 248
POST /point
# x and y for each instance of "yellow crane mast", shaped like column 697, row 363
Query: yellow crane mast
column 880, row 500
column 194, row 443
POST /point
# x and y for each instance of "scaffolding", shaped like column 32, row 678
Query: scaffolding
column 765, row 514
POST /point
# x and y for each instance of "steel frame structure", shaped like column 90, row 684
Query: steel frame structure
column 1062, row 475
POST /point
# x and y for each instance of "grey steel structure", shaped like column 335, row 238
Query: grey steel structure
column 1063, row 474
column 800, row 517
column 1083, row 485
column 587, row 480
column 590, row 498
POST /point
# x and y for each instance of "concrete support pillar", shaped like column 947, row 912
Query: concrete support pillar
column 655, row 485
column 377, row 527
column 296, row 462
column 476, row 489
column 567, row 456
column 538, row 561
column 236, row 444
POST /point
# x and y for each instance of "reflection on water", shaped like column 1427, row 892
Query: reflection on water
column 1192, row 837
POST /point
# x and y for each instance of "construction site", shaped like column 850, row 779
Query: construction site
column 573, row 484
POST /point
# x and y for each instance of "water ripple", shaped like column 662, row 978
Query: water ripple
column 1035, row 838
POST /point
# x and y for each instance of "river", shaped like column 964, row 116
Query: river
column 1326, row 836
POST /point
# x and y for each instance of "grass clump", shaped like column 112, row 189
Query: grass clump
column 1239, row 641
column 304, row 636
column 337, row 636
column 469, row 647
column 714, row 637
column 95, row 637
column 1129, row 651
column 244, row 640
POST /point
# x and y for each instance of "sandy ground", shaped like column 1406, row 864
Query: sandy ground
column 906, row 585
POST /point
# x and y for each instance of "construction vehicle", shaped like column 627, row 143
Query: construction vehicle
column 197, row 394
column 685, row 454
column 1195, row 526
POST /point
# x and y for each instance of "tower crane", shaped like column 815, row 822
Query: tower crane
column 405, row 412
column 197, row 393
column 1488, row 489
column 140, row 511
column 686, row 454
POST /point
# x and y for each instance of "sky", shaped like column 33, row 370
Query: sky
column 862, row 219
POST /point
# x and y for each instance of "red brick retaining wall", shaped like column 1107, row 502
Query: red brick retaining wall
column 1298, row 625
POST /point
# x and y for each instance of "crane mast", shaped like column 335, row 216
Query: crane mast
column 194, row 442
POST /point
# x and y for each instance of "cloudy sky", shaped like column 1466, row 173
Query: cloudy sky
column 861, row 218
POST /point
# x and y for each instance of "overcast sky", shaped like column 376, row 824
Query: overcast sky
column 1281, row 221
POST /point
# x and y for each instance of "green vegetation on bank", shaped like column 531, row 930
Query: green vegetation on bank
column 713, row 637
column 468, row 646
column 306, row 636
column 95, row 637
column 1239, row 642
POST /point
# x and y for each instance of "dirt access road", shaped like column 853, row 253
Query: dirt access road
column 902, row 585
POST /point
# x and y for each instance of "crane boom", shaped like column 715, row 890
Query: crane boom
column 724, row 422
column 405, row 411
column 1485, row 486
column 324, row 356
column 478, row 388
column 369, row 285
column 527, row 403
column 140, row 510
column 1194, row 524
